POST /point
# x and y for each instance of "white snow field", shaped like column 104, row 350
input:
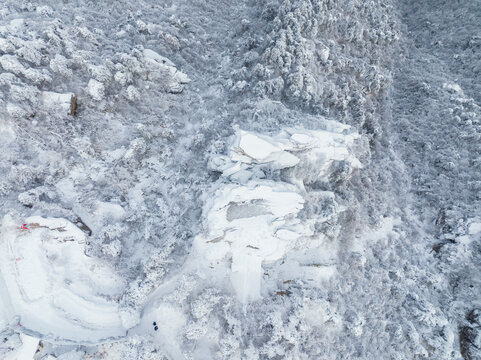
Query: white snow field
column 250, row 220
column 51, row 288
column 26, row 350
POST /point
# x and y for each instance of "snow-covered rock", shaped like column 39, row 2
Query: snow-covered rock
column 251, row 221
column 474, row 228
column 162, row 69
column 255, row 223
column 57, row 102
column 311, row 152
column 10, row 63
column 51, row 287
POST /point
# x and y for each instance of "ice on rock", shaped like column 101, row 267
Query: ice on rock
column 251, row 221
column 53, row 287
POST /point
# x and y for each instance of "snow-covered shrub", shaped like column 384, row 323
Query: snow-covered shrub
column 96, row 89
column 321, row 56
column 113, row 248
column 60, row 65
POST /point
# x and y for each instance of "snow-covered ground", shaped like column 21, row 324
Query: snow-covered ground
column 51, row 288
column 279, row 179
column 25, row 351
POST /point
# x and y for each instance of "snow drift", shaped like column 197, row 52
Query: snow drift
column 51, row 288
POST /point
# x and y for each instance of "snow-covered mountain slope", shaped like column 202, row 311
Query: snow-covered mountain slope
column 278, row 179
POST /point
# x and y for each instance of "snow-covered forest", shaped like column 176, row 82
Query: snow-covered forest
column 272, row 179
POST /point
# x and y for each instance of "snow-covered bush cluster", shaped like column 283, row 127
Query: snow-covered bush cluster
column 454, row 153
column 327, row 57
column 456, row 251
column 84, row 163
